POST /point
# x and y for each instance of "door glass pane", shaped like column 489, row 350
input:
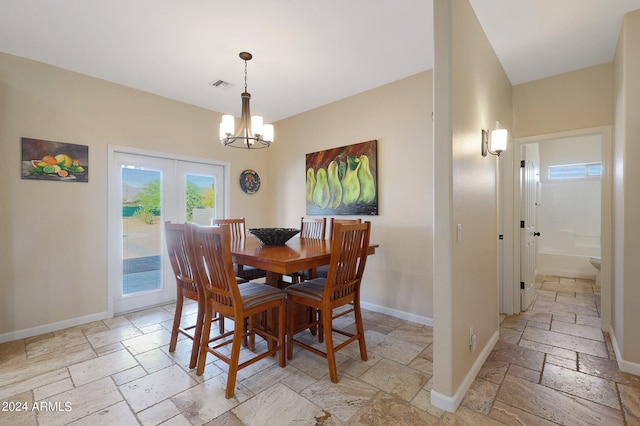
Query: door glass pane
column 200, row 198
column 141, row 237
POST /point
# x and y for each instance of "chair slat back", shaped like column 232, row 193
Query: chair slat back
column 334, row 221
column 181, row 263
column 237, row 227
column 312, row 227
column 348, row 259
column 215, row 267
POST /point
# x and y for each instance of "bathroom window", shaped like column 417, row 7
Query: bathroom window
column 575, row 171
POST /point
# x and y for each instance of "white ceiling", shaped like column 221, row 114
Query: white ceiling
column 306, row 54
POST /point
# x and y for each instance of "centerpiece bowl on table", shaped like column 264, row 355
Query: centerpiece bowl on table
column 273, row 236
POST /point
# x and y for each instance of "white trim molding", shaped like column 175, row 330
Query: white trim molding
column 623, row 365
column 398, row 314
column 72, row 322
column 54, row 326
column 451, row 403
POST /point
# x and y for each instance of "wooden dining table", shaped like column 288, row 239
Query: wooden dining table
column 298, row 254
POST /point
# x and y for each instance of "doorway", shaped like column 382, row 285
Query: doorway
column 512, row 300
column 145, row 190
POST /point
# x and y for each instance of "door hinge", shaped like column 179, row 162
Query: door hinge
column 501, row 237
column 522, row 163
column 522, row 224
column 521, row 285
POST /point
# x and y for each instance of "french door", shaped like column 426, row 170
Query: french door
column 145, row 190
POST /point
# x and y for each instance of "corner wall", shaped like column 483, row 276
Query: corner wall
column 472, row 92
column 625, row 332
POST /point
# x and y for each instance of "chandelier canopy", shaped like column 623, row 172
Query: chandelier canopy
column 253, row 133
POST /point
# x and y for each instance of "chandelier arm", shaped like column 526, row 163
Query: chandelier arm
column 232, row 139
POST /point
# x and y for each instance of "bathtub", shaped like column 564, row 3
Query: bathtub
column 565, row 254
column 565, row 265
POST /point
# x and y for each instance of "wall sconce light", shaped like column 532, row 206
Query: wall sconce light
column 497, row 144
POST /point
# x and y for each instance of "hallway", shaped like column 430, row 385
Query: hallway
column 552, row 365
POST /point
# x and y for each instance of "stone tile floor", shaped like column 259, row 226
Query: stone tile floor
column 552, row 365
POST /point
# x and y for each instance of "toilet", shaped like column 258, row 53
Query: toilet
column 595, row 261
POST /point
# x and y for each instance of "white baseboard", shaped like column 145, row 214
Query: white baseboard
column 54, row 326
column 398, row 314
column 626, row 366
column 451, row 403
column 60, row 325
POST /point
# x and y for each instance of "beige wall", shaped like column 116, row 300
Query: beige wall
column 626, row 200
column 398, row 116
column 466, row 291
column 574, row 100
column 53, row 256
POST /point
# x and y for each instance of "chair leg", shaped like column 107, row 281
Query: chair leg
column 204, row 340
column 313, row 319
column 252, row 334
column 290, row 306
column 281, row 331
column 234, row 359
column 331, row 355
column 245, row 339
column 197, row 335
column 360, row 330
column 320, row 327
column 177, row 316
column 220, row 323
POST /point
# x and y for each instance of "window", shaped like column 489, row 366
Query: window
column 575, row 171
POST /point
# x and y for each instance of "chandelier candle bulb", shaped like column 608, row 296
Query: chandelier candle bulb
column 256, row 125
column 228, row 125
column 267, row 130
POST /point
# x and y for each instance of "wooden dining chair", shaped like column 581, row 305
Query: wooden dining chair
column 333, row 221
column 187, row 286
column 241, row 302
column 238, row 232
column 310, row 227
column 341, row 287
column 313, row 227
column 322, row 271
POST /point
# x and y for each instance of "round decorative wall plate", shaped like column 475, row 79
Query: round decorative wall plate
column 249, row 181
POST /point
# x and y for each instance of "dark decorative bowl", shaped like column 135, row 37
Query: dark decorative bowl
column 273, row 236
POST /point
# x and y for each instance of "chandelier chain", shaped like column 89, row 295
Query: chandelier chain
column 245, row 75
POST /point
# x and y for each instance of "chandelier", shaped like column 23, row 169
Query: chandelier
column 253, row 133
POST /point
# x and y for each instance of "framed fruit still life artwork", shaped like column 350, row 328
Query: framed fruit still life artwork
column 56, row 161
column 343, row 181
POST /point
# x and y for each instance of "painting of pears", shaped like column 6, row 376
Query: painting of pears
column 343, row 181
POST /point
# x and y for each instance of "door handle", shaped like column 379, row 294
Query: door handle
column 536, row 234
